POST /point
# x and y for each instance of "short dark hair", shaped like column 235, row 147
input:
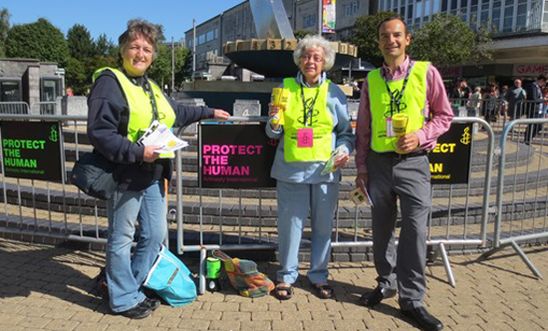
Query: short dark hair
column 541, row 77
column 391, row 18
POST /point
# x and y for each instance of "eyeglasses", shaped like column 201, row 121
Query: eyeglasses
column 311, row 58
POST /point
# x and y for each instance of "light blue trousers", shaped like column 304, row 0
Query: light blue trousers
column 126, row 272
column 295, row 202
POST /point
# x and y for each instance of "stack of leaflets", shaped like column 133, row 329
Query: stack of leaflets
column 159, row 135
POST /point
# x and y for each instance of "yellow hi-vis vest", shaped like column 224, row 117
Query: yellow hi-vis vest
column 322, row 123
column 140, row 107
column 413, row 101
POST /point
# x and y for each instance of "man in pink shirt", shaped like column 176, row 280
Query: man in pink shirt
column 393, row 164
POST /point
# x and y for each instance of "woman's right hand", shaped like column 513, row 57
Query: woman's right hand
column 273, row 111
column 150, row 154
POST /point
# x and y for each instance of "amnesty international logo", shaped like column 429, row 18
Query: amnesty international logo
column 466, row 138
column 53, row 135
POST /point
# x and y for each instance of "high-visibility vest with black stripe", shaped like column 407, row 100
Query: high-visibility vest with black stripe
column 413, row 102
column 140, row 107
column 322, row 123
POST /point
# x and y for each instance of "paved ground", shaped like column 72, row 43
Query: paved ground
column 46, row 288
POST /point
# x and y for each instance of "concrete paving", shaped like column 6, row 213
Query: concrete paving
column 44, row 287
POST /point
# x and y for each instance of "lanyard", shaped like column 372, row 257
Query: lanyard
column 144, row 83
column 396, row 96
column 148, row 89
column 308, row 110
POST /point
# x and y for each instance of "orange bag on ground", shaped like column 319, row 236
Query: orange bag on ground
column 244, row 276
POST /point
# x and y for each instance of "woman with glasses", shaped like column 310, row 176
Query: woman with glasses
column 315, row 129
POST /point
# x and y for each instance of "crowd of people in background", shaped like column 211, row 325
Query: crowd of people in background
column 499, row 101
column 494, row 100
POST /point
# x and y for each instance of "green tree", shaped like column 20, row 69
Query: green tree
column 300, row 34
column 4, row 28
column 77, row 75
column 160, row 70
column 366, row 38
column 79, row 42
column 40, row 40
column 448, row 40
column 104, row 46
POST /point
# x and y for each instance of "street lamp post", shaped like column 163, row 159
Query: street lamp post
column 172, row 66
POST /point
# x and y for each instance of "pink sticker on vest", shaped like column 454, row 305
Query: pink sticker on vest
column 305, row 137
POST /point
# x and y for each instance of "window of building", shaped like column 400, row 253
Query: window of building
column 10, row 90
column 309, row 21
column 521, row 18
column 210, row 35
column 351, row 8
column 508, row 16
column 495, row 21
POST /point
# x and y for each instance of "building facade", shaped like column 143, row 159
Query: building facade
column 237, row 23
column 519, row 29
column 30, row 81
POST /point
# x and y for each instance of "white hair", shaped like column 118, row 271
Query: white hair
column 313, row 41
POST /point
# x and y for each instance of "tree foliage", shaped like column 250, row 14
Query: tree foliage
column 447, row 40
column 79, row 42
column 40, row 40
column 160, row 70
column 4, row 28
column 366, row 38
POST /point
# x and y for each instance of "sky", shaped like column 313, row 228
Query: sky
column 110, row 16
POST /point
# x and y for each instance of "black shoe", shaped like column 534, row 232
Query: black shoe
column 379, row 293
column 151, row 303
column 423, row 318
column 138, row 312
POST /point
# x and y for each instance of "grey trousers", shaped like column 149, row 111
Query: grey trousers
column 408, row 178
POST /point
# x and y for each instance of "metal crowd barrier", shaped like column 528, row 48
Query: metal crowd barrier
column 20, row 107
column 522, row 197
column 244, row 219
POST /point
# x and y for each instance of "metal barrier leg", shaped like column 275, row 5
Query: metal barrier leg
column 526, row 259
column 447, row 265
column 488, row 254
column 201, row 275
column 518, row 250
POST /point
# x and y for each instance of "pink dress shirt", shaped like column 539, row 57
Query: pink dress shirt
column 437, row 109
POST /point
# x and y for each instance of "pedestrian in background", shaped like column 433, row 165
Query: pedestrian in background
column 515, row 97
column 535, row 107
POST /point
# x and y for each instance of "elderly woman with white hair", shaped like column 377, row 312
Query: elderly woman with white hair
column 315, row 124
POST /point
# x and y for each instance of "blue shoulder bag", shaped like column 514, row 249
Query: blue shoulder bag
column 170, row 278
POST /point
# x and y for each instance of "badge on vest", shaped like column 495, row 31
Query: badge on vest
column 389, row 127
column 305, row 137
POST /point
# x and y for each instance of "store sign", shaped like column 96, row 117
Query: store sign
column 235, row 156
column 450, row 159
column 31, row 150
column 530, row 70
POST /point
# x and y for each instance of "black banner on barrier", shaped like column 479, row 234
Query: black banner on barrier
column 31, row 150
column 235, row 156
column 450, row 160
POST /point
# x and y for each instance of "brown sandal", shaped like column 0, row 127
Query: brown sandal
column 283, row 291
column 324, row 291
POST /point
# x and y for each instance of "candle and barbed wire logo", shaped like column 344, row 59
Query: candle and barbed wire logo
column 466, row 138
column 53, row 134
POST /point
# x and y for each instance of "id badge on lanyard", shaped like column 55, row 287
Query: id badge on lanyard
column 305, row 136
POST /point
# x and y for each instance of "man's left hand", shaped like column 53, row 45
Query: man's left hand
column 408, row 143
